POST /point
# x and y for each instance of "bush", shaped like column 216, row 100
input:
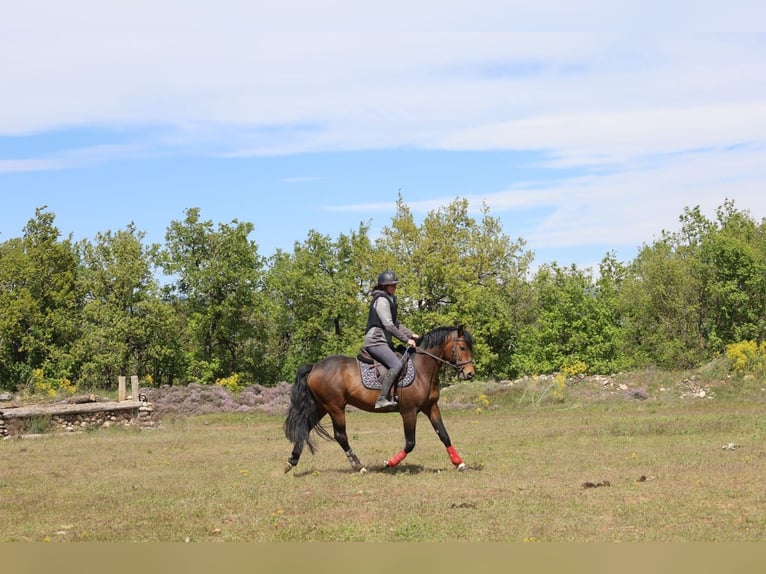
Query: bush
column 231, row 383
column 41, row 386
column 747, row 357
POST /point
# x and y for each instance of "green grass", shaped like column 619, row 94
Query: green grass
column 220, row 477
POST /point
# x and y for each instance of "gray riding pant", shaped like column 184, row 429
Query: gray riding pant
column 385, row 355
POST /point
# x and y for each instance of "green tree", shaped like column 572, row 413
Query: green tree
column 217, row 274
column 492, row 294
column 39, row 303
column 457, row 270
column 696, row 290
column 662, row 305
column 319, row 291
column 607, row 351
column 563, row 322
column 733, row 257
column 126, row 328
column 16, row 305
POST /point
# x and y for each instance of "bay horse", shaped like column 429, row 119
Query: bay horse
column 328, row 386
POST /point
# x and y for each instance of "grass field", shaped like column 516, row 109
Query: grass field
column 584, row 467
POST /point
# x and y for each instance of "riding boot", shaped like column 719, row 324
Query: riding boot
column 383, row 401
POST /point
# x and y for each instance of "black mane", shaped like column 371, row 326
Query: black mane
column 437, row 337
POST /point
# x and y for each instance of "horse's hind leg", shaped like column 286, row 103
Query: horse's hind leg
column 339, row 431
column 294, row 456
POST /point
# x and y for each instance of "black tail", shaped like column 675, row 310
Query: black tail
column 302, row 416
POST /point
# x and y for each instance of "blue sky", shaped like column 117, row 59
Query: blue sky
column 318, row 116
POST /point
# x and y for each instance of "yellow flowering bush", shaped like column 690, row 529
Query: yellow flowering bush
column 231, row 383
column 575, row 368
column 747, row 357
column 40, row 385
column 483, row 402
column 559, row 384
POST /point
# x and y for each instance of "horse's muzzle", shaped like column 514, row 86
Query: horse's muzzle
column 466, row 375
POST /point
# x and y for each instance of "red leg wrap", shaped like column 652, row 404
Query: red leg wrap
column 454, row 456
column 396, row 459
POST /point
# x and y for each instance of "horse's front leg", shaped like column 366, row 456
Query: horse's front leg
column 410, row 419
column 435, row 416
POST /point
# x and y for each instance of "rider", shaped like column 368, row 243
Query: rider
column 382, row 326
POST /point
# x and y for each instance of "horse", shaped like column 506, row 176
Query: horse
column 328, row 386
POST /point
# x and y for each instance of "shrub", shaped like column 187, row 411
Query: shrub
column 747, row 357
column 41, row 386
column 482, row 402
column 231, row 383
column 576, row 367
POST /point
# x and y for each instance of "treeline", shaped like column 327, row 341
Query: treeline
column 207, row 307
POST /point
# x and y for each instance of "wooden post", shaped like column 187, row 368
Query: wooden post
column 120, row 388
column 134, row 386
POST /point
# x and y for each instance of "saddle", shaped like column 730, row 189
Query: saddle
column 372, row 371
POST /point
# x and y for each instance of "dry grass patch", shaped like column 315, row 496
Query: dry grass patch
column 572, row 470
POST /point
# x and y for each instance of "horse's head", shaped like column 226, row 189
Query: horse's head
column 462, row 354
column 454, row 347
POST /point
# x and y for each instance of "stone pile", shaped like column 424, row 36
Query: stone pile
column 75, row 417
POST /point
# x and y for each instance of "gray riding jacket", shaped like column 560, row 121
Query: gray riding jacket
column 383, row 325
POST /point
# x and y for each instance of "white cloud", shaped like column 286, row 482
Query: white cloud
column 624, row 208
column 627, row 208
column 395, row 74
column 21, row 165
column 73, row 158
column 617, row 137
column 648, row 114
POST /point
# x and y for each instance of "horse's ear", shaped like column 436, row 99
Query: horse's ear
column 460, row 330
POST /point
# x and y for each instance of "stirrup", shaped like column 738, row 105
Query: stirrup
column 384, row 403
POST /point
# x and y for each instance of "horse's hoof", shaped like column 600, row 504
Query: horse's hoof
column 362, row 470
column 288, row 467
column 461, row 467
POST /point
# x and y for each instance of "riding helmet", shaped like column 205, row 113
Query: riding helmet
column 387, row 278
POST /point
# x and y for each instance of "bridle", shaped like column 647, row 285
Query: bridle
column 455, row 364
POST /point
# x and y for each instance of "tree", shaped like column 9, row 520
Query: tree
column 126, row 328
column 493, row 293
column 608, row 353
column 320, row 293
column 457, row 270
column 696, row 290
column 16, row 309
column 218, row 275
column 733, row 256
column 662, row 305
column 39, row 303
